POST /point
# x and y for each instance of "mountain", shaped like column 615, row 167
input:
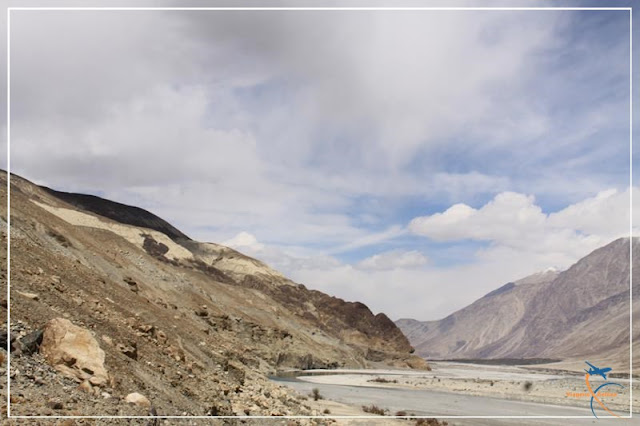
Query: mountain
column 580, row 312
column 482, row 323
column 195, row 327
column 122, row 213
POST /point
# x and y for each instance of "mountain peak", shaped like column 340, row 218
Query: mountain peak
column 545, row 315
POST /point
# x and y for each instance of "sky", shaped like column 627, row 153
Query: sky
column 411, row 160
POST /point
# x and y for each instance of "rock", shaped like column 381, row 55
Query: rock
column 133, row 285
column 98, row 381
column 107, row 340
column 86, row 387
column 202, row 313
column 130, row 350
column 129, row 281
column 29, row 343
column 73, row 351
column 175, row 353
column 417, row 363
column 221, row 408
column 138, row 399
column 54, row 404
column 236, row 371
column 16, row 399
column 147, row 329
column 32, row 296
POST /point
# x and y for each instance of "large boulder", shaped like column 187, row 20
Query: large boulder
column 73, row 351
column 138, row 399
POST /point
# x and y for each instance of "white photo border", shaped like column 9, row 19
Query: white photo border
column 222, row 9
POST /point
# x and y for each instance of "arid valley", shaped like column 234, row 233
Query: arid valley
column 294, row 213
column 172, row 327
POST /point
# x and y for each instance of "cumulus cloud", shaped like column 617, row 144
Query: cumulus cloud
column 507, row 218
column 519, row 235
column 520, row 240
column 514, row 220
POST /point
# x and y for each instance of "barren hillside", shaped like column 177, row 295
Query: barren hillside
column 193, row 327
column 581, row 312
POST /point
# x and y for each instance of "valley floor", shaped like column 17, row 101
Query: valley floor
column 454, row 389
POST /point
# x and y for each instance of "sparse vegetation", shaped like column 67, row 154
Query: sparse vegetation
column 401, row 414
column 504, row 361
column 430, row 422
column 382, row 380
column 374, row 409
column 527, row 386
column 64, row 242
column 327, row 411
column 315, row 394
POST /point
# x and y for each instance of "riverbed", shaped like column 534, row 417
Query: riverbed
column 454, row 389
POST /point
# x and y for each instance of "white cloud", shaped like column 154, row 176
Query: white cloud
column 285, row 259
column 507, row 218
column 522, row 240
column 605, row 214
column 425, row 293
column 394, row 259
column 369, row 239
column 235, row 131
column 333, row 91
column 514, row 220
column 244, row 241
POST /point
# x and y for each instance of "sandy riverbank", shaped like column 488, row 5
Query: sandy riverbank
column 503, row 382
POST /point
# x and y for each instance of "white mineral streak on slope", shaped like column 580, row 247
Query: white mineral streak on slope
column 229, row 260
column 132, row 234
column 223, row 258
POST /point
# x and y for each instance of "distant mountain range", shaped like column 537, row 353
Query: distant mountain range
column 580, row 312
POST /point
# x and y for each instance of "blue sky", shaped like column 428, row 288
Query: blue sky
column 410, row 160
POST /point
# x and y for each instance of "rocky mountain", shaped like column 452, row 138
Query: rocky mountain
column 580, row 312
column 122, row 213
column 183, row 327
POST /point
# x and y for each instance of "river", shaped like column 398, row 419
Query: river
column 353, row 387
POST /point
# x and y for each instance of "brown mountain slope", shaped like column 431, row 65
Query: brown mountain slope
column 480, row 324
column 195, row 327
column 583, row 311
